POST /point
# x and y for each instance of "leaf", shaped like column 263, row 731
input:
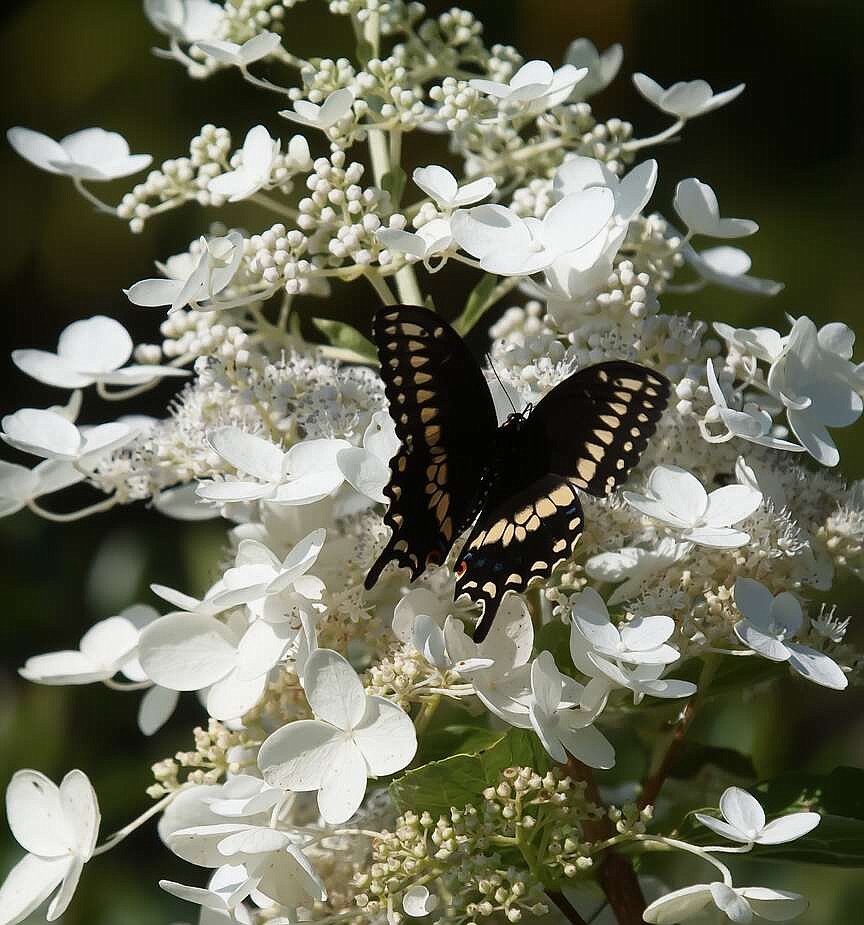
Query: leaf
column 461, row 779
column 840, row 793
column 742, row 673
column 554, row 637
column 394, row 183
column 478, row 302
column 348, row 340
column 458, row 739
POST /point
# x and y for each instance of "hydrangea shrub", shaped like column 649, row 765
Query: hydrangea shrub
column 361, row 758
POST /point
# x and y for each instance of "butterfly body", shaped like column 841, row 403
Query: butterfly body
column 516, row 486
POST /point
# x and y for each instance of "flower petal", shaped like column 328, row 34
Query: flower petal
column 95, row 345
column 817, row 667
column 296, row 755
column 232, row 696
column 333, row 689
column 187, row 652
column 248, row 453
column 36, row 815
column 343, row 783
column 742, row 810
column 731, row 504
column 156, row 708
column 680, row 904
column 30, row 882
column 385, row 736
column 788, row 828
column 81, row 811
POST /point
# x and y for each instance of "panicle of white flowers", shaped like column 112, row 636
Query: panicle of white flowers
column 315, row 686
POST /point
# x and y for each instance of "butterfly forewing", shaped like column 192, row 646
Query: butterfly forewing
column 519, row 539
column 597, row 422
column 444, row 418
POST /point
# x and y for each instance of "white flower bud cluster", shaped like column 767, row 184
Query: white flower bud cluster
column 322, row 77
column 345, row 214
column 191, row 333
column 280, row 257
column 459, row 106
column 214, row 755
column 244, row 19
column 179, row 180
column 389, row 80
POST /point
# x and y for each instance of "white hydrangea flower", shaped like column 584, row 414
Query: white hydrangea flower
column 770, row 624
column 20, row 485
column 90, row 351
column 744, row 821
column 253, row 174
column 738, row 904
column 432, row 239
column 632, row 565
column 58, row 827
column 307, row 472
column 185, row 20
column 512, row 246
column 91, row 154
column 534, row 88
column 367, row 468
column 50, row 435
column 439, row 184
column 696, row 204
column 727, row 266
column 819, row 385
column 335, row 107
column 418, row 902
column 201, row 282
column 352, row 737
column 255, row 49
column 602, row 67
column 685, row 99
column 678, row 499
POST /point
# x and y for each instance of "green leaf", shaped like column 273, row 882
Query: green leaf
column 347, row 339
column 478, row 302
column 554, row 637
column 840, row 793
column 461, row 779
column 458, row 739
column 394, row 183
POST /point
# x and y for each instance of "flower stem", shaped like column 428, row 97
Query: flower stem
column 92, row 198
column 427, row 711
column 654, row 782
column 97, row 508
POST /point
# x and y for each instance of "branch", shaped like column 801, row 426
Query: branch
column 615, row 871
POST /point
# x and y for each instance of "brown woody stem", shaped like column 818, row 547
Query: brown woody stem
column 615, row 871
column 567, row 910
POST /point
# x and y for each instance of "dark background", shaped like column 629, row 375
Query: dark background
column 787, row 153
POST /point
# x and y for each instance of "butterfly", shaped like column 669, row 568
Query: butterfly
column 517, row 486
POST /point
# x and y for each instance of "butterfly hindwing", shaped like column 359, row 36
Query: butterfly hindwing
column 597, row 422
column 443, row 412
column 519, row 539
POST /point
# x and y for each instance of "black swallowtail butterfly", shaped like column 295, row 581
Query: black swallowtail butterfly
column 520, row 481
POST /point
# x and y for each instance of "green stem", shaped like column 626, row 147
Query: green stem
column 427, row 711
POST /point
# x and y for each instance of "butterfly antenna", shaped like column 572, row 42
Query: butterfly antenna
column 503, row 387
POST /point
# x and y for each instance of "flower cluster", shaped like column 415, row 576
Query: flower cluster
column 364, row 758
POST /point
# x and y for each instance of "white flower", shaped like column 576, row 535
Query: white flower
column 697, row 205
column 186, row 20
column 242, row 796
column 307, row 472
column 641, row 641
column 259, row 46
column 678, row 499
column 191, row 652
column 818, row 384
column 88, row 351
column 182, row 503
column 20, row 485
column 91, row 154
column 744, row 821
column 353, row 736
column 367, row 468
column 534, row 88
column 492, row 665
column 337, row 105
column 727, row 266
column 512, row 246
column 189, row 604
column 577, row 273
column 418, row 901
column 58, row 827
column 771, row 623
column 751, row 423
column 210, row 275
column 632, row 566
column 762, row 343
column 602, row 68
column 738, row 904
column 562, row 717
column 259, row 153
column 439, row 184
column 52, row 436
column 251, row 860
column 685, row 99
column 103, row 651
column 431, row 239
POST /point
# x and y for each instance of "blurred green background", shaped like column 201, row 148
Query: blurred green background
column 787, row 153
